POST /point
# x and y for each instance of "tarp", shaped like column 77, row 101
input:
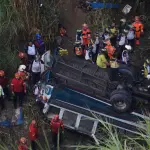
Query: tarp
column 95, row 5
column 17, row 119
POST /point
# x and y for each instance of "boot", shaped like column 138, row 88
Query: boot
column 137, row 42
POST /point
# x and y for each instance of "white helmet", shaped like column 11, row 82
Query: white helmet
column 128, row 47
column 22, row 68
column 123, row 20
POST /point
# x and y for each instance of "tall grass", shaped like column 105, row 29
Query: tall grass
column 18, row 18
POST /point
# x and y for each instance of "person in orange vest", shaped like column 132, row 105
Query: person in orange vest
column 86, row 35
column 33, row 134
column 138, row 29
column 110, row 49
column 23, row 58
column 56, row 126
column 78, row 49
column 18, row 88
column 23, row 144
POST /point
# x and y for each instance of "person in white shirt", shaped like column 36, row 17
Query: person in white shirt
column 31, row 51
column 36, row 70
column 121, row 41
column 131, row 37
column 1, row 98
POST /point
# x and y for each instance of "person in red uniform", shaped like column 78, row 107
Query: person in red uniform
column 138, row 29
column 86, row 35
column 18, row 88
column 33, row 134
column 4, row 82
column 56, row 126
column 23, row 144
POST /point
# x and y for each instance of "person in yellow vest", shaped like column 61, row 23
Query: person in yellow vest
column 147, row 69
column 101, row 59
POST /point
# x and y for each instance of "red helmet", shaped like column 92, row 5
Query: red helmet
column 56, row 117
column 2, row 73
column 21, row 55
column 137, row 18
column 84, row 26
column 23, row 140
column 17, row 75
column 33, row 122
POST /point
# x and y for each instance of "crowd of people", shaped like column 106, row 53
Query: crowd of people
column 109, row 49
column 26, row 76
column 112, row 47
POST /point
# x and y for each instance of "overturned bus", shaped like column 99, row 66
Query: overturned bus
column 80, row 92
column 122, row 87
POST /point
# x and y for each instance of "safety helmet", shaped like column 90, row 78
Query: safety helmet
column 38, row 36
column 56, row 117
column 128, row 47
column 17, row 75
column 33, row 122
column 137, row 18
column 23, row 140
column 104, row 50
column 107, row 41
column 2, row 73
column 123, row 20
column 21, row 55
column 89, row 36
column 22, row 68
column 85, row 25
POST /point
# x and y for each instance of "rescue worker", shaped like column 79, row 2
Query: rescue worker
column 23, row 144
column 79, row 35
column 146, row 69
column 125, row 57
column 96, row 47
column 106, row 34
column 23, row 57
column 57, row 127
column 86, row 35
column 31, row 51
column 113, row 34
column 121, row 41
column 78, row 49
column 62, row 30
column 101, row 59
column 36, row 69
column 4, row 82
column 110, row 49
column 1, row 98
column 18, row 88
column 123, row 25
column 39, row 44
column 22, row 72
column 138, row 29
column 33, row 134
column 131, row 36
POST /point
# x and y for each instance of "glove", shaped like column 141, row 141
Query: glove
column 62, row 132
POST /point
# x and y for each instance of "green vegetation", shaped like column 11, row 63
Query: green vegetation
column 19, row 20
